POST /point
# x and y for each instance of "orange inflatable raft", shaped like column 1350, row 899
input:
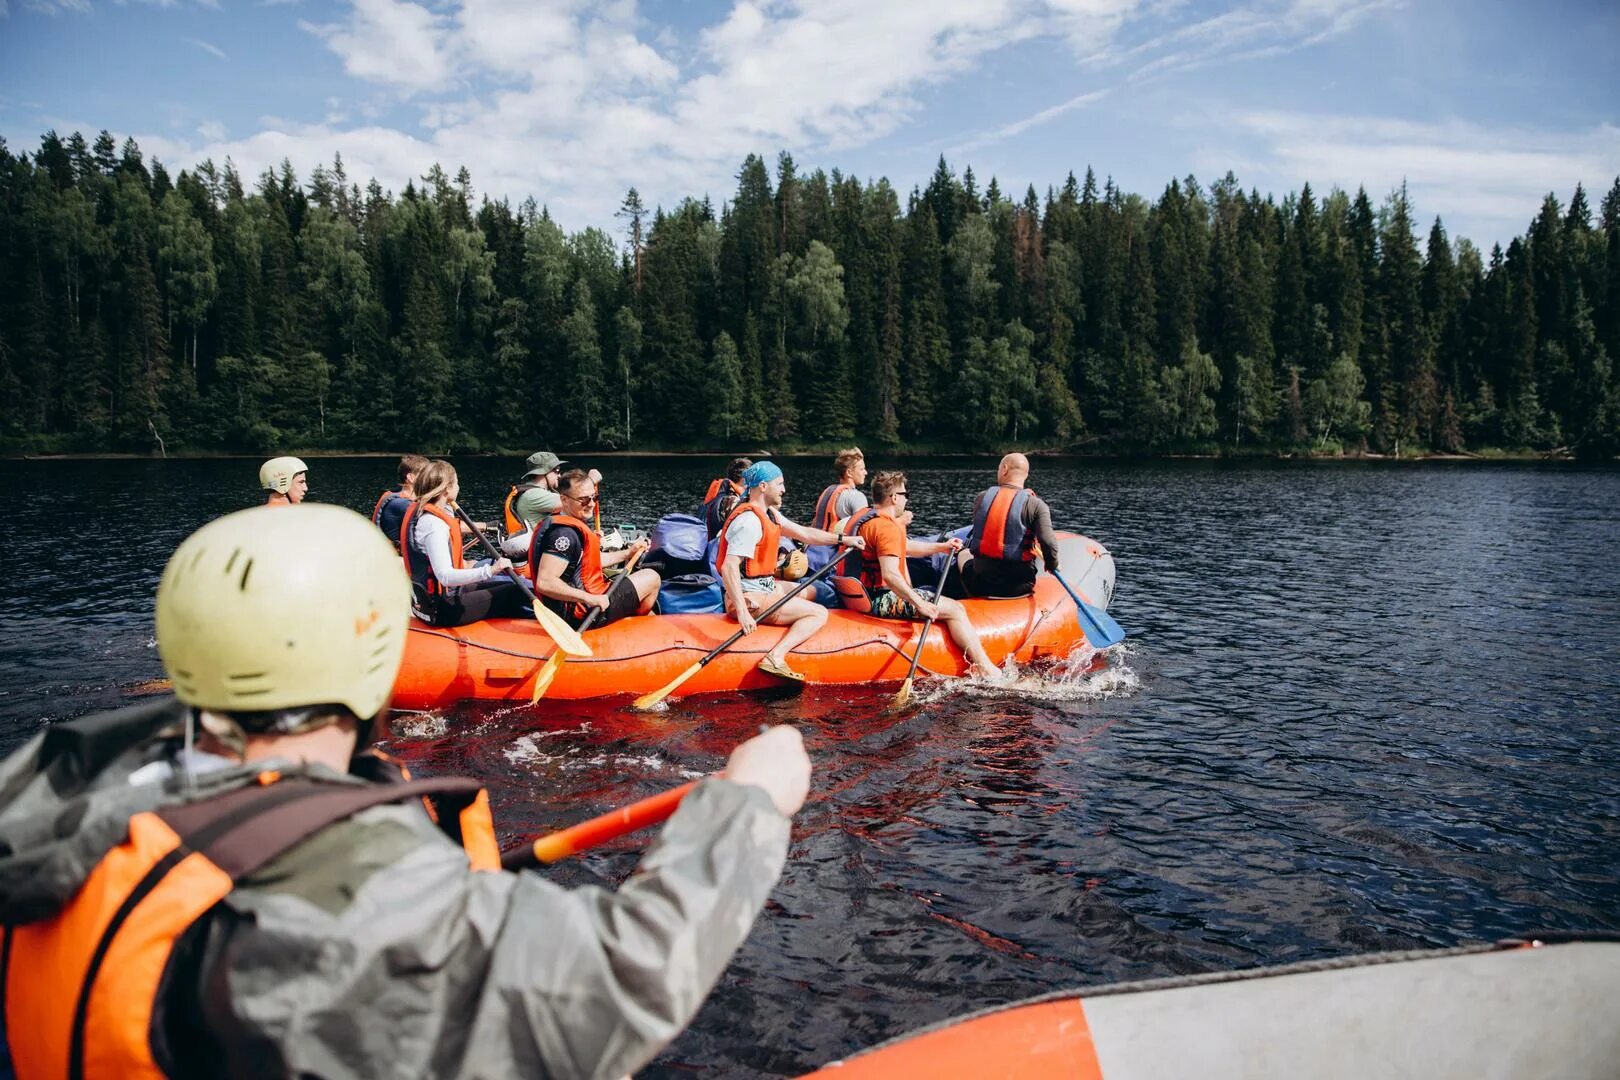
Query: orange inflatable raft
column 498, row 659
column 1514, row 1010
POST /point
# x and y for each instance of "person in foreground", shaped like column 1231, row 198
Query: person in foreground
column 750, row 543
column 286, row 479
column 445, row 591
column 888, row 581
column 566, row 562
column 299, row 912
column 1008, row 521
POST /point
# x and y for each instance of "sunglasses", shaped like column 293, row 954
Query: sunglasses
column 905, row 493
column 588, row 500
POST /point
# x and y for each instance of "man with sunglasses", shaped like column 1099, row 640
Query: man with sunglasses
column 567, row 562
column 887, row 580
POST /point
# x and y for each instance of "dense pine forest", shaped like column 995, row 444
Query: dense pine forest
column 146, row 312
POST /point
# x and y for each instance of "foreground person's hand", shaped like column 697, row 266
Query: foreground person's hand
column 775, row 761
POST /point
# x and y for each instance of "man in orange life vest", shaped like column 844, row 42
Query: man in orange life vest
column 887, row 581
column 566, row 562
column 750, row 544
column 1009, row 520
column 724, row 493
column 264, row 900
column 286, row 479
column 391, row 506
column 837, row 502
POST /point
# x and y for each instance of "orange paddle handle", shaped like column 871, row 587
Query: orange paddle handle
column 599, row 830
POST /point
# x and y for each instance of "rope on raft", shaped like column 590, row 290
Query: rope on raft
column 466, row 643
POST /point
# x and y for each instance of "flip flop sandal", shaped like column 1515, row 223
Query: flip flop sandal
column 781, row 671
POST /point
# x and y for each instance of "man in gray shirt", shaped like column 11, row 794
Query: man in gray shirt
column 1009, row 520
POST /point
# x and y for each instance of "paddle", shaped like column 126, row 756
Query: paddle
column 647, row 701
column 1100, row 628
column 598, row 830
column 566, row 637
column 543, row 681
column 904, row 693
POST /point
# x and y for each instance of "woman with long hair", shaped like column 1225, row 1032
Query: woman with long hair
column 445, row 591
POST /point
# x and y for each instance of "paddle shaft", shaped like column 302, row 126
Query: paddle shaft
column 542, row 681
column 514, row 576
column 624, row 575
column 760, row 618
column 598, row 830
column 922, row 639
column 647, row 701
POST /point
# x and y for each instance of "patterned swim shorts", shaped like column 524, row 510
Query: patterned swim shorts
column 889, row 604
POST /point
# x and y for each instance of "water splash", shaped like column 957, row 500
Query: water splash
column 421, row 725
column 1086, row 674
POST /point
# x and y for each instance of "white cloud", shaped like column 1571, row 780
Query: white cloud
column 206, row 47
column 57, row 7
column 573, row 101
column 1485, row 181
column 212, row 131
column 392, row 42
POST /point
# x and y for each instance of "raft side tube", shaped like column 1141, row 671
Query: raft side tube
column 1485, row 1011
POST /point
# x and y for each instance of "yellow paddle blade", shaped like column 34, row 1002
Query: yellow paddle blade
column 647, row 701
column 902, row 695
column 542, row 681
column 566, row 637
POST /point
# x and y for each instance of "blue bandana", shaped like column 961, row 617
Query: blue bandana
column 761, row 472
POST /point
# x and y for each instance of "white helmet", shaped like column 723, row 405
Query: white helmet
column 260, row 611
column 277, row 473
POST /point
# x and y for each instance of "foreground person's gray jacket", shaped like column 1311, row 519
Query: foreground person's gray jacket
column 371, row 949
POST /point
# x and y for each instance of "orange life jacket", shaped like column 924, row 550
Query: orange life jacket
column 426, row 589
column 998, row 525
column 589, row 576
column 826, row 515
column 862, row 563
column 81, row 988
column 761, row 562
column 515, row 524
column 715, row 511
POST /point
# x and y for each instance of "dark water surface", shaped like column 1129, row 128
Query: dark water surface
column 1364, row 707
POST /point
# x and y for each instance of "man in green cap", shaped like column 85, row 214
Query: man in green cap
column 535, row 497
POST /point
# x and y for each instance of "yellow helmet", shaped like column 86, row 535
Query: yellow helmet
column 277, row 473
column 261, row 610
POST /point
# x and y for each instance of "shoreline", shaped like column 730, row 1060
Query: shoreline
column 1484, row 457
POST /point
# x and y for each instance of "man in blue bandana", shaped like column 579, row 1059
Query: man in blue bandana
column 750, row 541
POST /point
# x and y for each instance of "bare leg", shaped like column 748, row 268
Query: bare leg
column 646, row 583
column 966, row 636
column 802, row 618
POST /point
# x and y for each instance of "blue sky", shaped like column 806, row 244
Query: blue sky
column 1481, row 108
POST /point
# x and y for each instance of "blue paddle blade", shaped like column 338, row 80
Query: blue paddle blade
column 1100, row 628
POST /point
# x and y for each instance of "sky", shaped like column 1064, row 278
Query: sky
column 1480, row 108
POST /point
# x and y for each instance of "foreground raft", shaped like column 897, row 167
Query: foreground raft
column 1521, row 1010
column 498, row 659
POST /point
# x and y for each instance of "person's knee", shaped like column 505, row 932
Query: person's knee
column 647, row 583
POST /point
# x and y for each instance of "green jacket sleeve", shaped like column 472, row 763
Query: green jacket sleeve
column 373, row 949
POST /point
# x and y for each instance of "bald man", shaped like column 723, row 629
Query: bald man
column 1008, row 521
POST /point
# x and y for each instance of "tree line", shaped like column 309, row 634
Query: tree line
column 150, row 312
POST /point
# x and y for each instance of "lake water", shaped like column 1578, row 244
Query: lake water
column 1363, row 707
